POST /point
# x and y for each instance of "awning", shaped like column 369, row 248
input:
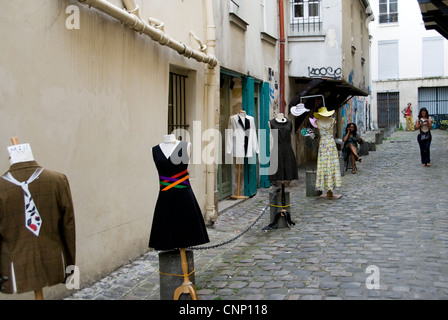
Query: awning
column 336, row 93
column 435, row 15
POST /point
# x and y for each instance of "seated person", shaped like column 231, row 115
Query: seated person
column 351, row 147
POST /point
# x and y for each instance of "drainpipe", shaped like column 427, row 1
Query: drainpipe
column 132, row 20
column 282, row 56
column 211, row 213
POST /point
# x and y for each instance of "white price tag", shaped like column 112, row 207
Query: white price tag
column 20, row 153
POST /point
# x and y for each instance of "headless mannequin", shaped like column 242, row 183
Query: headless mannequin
column 17, row 157
column 326, row 122
column 242, row 114
column 168, row 145
column 280, row 118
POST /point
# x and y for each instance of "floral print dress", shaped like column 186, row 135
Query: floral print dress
column 328, row 167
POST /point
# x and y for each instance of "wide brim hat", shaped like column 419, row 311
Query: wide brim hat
column 299, row 109
column 323, row 112
column 313, row 122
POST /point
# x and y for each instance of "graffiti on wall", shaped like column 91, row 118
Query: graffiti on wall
column 327, row 72
column 273, row 102
column 356, row 111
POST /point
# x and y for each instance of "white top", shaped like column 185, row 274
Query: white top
column 235, row 137
column 425, row 126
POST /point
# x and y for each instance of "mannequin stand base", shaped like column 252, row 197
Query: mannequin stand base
column 187, row 286
column 238, row 197
column 177, row 275
column 330, row 196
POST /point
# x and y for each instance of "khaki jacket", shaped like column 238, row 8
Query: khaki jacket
column 33, row 262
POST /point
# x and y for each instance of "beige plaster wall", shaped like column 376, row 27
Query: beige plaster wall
column 92, row 102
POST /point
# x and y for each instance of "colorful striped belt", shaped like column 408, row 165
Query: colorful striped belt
column 176, row 181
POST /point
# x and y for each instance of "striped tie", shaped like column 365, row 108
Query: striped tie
column 33, row 221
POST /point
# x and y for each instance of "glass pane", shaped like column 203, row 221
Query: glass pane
column 393, row 7
column 383, row 1
column 313, row 9
column 298, row 11
column 393, row 17
column 383, row 8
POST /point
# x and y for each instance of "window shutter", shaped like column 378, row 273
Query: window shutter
column 433, row 65
column 388, row 60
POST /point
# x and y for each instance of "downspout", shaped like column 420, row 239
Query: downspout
column 282, row 56
column 211, row 213
column 132, row 20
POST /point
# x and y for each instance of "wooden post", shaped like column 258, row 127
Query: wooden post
column 187, row 286
column 238, row 196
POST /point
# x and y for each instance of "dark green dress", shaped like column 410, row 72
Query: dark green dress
column 351, row 140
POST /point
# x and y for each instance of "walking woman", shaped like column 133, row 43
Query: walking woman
column 424, row 124
column 351, row 147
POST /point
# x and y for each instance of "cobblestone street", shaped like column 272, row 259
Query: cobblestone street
column 390, row 225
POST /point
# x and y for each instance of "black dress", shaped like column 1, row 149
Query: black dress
column 178, row 221
column 287, row 165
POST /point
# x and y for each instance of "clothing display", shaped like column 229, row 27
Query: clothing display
column 328, row 167
column 287, row 165
column 37, row 227
column 242, row 142
column 178, row 221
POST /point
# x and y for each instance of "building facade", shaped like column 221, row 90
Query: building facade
column 92, row 96
column 409, row 64
column 329, row 55
column 247, row 48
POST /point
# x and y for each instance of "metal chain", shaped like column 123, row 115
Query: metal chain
column 234, row 238
column 241, row 234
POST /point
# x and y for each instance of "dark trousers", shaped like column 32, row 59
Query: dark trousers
column 424, row 149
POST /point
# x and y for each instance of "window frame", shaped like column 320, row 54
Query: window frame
column 306, row 11
column 391, row 16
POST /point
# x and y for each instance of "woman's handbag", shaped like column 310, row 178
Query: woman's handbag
column 424, row 135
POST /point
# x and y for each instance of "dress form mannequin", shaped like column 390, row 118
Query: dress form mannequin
column 38, row 225
column 27, row 155
column 168, row 145
column 280, row 118
column 326, row 122
column 241, row 143
column 176, row 201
